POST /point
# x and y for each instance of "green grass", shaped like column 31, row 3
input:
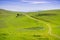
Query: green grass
column 17, row 28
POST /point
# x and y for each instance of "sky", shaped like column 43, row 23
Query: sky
column 29, row 5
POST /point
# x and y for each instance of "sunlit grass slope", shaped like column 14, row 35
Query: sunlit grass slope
column 50, row 16
column 25, row 28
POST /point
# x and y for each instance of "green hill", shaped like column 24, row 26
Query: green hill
column 30, row 26
column 49, row 16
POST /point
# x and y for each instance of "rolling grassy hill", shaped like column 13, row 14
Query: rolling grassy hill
column 50, row 16
column 26, row 28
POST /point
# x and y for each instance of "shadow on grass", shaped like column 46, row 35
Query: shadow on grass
column 39, row 37
column 35, row 28
column 46, row 15
column 42, row 38
column 3, row 36
column 44, row 20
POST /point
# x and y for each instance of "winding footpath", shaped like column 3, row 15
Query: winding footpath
column 48, row 25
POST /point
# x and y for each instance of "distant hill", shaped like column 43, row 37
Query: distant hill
column 6, row 11
column 52, row 16
column 51, row 11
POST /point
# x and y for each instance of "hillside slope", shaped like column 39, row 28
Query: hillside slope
column 52, row 16
column 26, row 28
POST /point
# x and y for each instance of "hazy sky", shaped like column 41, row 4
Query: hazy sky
column 29, row 5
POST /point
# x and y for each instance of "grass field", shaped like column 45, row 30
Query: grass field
column 41, row 25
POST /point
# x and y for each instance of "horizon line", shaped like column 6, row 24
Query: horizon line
column 29, row 11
